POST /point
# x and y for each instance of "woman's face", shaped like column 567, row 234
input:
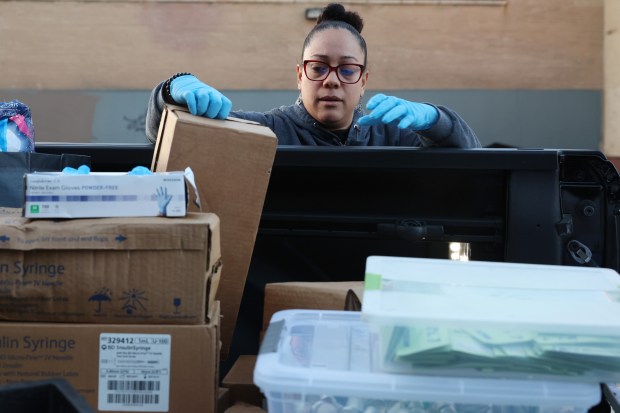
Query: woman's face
column 330, row 101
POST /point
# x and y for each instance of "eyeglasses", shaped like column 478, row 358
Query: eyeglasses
column 347, row 73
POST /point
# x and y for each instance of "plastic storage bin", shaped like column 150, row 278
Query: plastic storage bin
column 325, row 362
column 494, row 319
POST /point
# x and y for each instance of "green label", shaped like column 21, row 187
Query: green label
column 372, row 281
column 34, row 209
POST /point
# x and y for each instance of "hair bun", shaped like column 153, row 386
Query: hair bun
column 337, row 12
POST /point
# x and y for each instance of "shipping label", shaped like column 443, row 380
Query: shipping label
column 134, row 372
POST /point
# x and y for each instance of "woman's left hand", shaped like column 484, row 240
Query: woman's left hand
column 388, row 109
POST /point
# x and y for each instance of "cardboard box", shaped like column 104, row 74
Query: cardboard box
column 310, row 296
column 104, row 194
column 223, row 399
column 232, row 163
column 122, row 368
column 240, row 382
column 241, row 407
column 109, row 270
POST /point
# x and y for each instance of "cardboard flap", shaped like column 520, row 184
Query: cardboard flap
column 186, row 110
column 157, row 152
column 108, row 233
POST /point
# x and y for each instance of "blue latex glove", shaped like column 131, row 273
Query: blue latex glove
column 388, row 109
column 140, row 170
column 81, row 170
column 201, row 99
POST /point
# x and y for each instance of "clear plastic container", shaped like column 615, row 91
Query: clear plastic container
column 315, row 361
column 518, row 321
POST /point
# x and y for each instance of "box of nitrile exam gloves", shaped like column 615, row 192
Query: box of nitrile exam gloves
column 145, row 270
column 104, row 194
column 120, row 368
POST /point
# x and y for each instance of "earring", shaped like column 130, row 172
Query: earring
column 299, row 100
column 359, row 105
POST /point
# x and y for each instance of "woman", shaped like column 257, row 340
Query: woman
column 331, row 78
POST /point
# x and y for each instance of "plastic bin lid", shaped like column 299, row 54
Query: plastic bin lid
column 531, row 296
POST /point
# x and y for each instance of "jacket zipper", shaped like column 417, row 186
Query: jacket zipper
column 333, row 135
column 356, row 128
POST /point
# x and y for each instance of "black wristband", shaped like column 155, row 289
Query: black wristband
column 165, row 90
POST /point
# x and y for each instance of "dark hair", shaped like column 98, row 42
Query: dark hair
column 334, row 16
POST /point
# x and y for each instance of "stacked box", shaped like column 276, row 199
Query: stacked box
column 498, row 320
column 109, row 270
column 123, row 308
column 119, row 367
column 326, row 361
column 104, row 194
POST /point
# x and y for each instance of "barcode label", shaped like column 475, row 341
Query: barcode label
column 127, row 398
column 134, row 372
column 134, row 385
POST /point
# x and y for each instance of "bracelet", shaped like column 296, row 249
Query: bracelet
column 166, row 87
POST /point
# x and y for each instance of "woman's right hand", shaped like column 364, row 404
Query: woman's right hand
column 200, row 99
